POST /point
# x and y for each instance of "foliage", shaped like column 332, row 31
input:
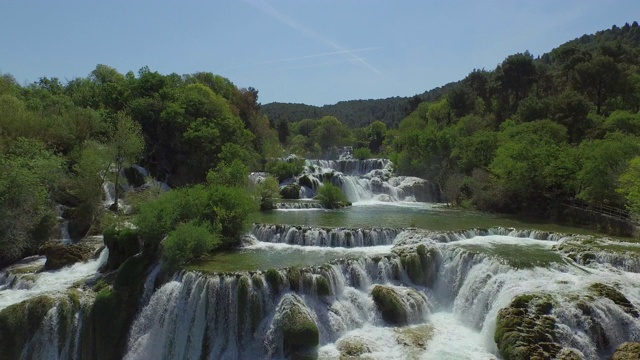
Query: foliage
column 284, row 169
column 187, row 242
column 332, row 196
column 27, row 216
column 362, row 153
column 268, row 191
column 125, row 147
column 630, row 185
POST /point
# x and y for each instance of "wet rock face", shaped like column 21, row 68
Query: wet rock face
column 614, row 295
column 290, row 192
column 300, row 331
column 60, row 255
column 524, row 330
column 19, row 322
column 390, row 305
column 627, row 351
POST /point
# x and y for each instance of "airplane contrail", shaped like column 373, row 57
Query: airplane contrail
column 316, row 55
column 267, row 9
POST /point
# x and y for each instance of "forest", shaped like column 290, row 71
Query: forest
column 522, row 138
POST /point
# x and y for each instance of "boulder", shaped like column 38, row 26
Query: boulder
column 290, row 192
column 627, row 351
column 300, row 334
column 390, row 305
column 60, row 255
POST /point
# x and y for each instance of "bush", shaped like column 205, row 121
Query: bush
column 362, row 153
column 283, row 170
column 187, row 242
column 332, row 196
column 268, row 191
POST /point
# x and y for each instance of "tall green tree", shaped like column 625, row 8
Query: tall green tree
column 125, row 147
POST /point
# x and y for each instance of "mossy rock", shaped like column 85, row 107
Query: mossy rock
column 290, row 192
column 525, row 331
column 352, row 348
column 299, row 329
column 323, row 287
column 60, row 255
column 616, row 296
column 244, row 291
column 390, row 305
column 256, row 311
column 627, row 351
column 569, row 354
column 19, row 322
column 305, row 181
column 122, row 244
column 294, row 275
column 274, row 280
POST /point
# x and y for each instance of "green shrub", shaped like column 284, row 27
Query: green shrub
column 268, row 191
column 187, row 242
column 362, row 153
column 332, row 197
column 283, row 170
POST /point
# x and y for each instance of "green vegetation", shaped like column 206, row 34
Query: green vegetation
column 362, row 153
column 284, row 169
column 268, row 192
column 390, row 305
column 188, row 241
column 332, row 197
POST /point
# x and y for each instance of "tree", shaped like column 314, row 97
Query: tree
column 126, row 147
column 629, row 185
column 332, row 196
column 268, row 190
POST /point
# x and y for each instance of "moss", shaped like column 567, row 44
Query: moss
column 299, row 329
column 243, row 289
column 390, row 305
column 131, row 272
column 525, row 331
column 256, row 312
column 616, row 296
column 294, row 274
column 305, row 181
column 257, row 281
column 323, row 287
column 627, row 351
column 274, row 280
column 123, row 244
column 19, row 322
column 352, row 347
column 290, row 192
column 413, row 265
column 60, row 255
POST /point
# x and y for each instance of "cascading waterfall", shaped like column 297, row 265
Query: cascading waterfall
column 454, row 280
column 365, row 180
column 303, row 235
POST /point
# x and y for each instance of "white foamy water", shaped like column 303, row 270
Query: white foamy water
column 354, row 251
column 54, row 282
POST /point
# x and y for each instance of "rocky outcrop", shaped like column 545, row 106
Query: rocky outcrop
column 399, row 306
column 525, row 330
column 19, row 322
column 60, row 255
column 290, row 192
column 122, row 245
column 299, row 330
column 627, row 351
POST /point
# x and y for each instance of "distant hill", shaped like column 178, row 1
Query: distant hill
column 355, row 113
column 358, row 113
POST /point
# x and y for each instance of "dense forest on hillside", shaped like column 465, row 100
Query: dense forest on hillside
column 524, row 137
column 355, row 113
column 60, row 143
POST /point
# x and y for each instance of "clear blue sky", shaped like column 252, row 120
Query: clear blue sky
column 314, row 52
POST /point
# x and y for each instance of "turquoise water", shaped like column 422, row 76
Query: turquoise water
column 403, row 215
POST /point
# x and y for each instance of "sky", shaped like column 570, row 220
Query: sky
column 301, row 51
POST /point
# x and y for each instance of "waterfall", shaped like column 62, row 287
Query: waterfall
column 365, row 180
column 304, row 235
column 454, row 280
column 50, row 282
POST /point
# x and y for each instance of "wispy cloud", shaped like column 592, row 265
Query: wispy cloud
column 350, row 54
column 317, row 55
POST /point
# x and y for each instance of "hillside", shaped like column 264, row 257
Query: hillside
column 355, row 113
